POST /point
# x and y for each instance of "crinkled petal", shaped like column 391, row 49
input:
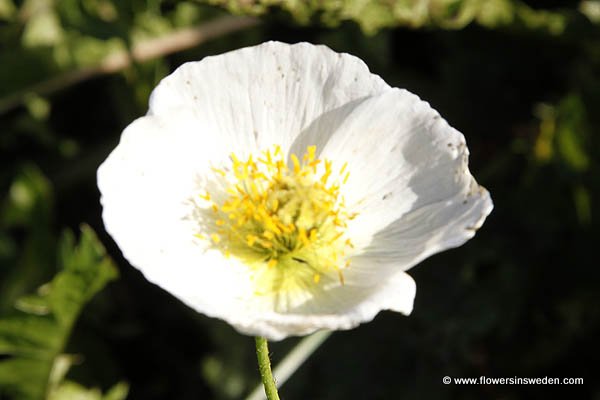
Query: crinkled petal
column 409, row 179
column 146, row 184
column 267, row 94
column 344, row 307
column 430, row 229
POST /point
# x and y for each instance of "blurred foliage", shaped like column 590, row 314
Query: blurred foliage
column 32, row 340
column 373, row 15
column 521, row 80
column 72, row 35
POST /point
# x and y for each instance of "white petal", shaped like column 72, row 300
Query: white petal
column 146, row 185
column 344, row 307
column 267, row 94
column 409, row 178
column 409, row 181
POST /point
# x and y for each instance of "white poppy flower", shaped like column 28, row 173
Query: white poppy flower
column 286, row 189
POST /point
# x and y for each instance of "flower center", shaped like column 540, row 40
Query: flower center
column 287, row 223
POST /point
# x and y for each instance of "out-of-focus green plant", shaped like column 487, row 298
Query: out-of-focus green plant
column 565, row 138
column 33, row 339
column 26, row 208
column 373, row 15
column 54, row 44
column 564, row 133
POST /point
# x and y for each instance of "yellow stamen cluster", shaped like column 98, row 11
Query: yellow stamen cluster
column 287, row 222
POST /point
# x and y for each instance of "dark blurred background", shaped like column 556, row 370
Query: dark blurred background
column 521, row 80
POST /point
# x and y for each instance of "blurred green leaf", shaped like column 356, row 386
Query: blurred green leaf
column 73, row 391
column 564, row 132
column 583, row 204
column 24, row 263
column 38, row 107
column 117, row 392
column 543, row 149
column 32, row 340
column 374, row 15
column 591, row 9
column 7, row 9
column 103, row 9
column 29, row 199
column 572, row 133
column 43, row 29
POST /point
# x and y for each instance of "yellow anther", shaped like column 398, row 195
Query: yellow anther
column 296, row 163
column 343, row 168
column 251, row 239
column 219, row 171
column 339, row 223
column 327, row 173
column 341, row 277
column 302, row 236
column 310, row 151
column 260, row 176
column 270, row 225
column 255, row 191
column 271, row 213
column 205, row 196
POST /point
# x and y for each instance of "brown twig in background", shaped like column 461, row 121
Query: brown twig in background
column 143, row 51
